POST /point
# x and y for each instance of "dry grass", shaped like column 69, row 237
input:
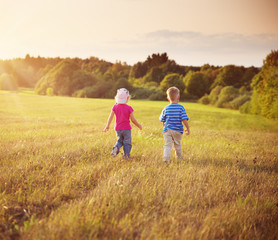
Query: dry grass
column 57, row 180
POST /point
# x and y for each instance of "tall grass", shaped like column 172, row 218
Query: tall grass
column 58, row 181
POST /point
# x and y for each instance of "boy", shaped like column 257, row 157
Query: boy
column 173, row 116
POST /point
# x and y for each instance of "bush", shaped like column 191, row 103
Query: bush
column 49, row 92
column 80, row 93
column 226, row 95
column 213, row 96
column 157, row 95
column 141, row 93
column 204, row 100
column 85, row 92
column 187, row 96
column 245, row 108
column 238, row 101
column 101, row 90
column 152, row 93
column 243, row 90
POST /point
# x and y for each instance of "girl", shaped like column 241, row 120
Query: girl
column 124, row 113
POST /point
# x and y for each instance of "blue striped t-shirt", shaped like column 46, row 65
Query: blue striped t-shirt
column 172, row 116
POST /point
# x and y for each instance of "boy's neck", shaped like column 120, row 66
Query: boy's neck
column 176, row 101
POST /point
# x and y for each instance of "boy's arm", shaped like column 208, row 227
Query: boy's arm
column 132, row 118
column 110, row 118
column 162, row 117
column 187, row 130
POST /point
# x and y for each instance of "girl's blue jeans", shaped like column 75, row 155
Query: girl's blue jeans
column 124, row 139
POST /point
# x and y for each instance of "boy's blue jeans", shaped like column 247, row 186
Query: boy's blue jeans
column 124, row 139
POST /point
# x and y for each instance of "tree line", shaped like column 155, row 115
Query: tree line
column 250, row 89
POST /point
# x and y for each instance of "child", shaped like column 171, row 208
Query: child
column 124, row 113
column 173, row 116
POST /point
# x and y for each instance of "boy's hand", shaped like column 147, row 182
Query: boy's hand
column 187, row 132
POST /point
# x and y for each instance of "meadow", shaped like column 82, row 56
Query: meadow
column 58, row 181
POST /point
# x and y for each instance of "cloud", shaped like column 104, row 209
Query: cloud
column 228, row 42
column 190, row 47
column 185, row 47
column 166, row 34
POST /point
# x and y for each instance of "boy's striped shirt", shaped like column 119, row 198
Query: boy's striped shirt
column 172, row 116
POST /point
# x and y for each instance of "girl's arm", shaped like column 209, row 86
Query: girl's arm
column 185, row 122
column 110, row 118
column 132, row 118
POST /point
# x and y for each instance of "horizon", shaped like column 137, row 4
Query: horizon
column 122, row 62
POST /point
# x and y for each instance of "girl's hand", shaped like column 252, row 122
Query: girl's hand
column 106, row 129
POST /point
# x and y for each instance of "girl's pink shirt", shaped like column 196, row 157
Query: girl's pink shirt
column 122, row 112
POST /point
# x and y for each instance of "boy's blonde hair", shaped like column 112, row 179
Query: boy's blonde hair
column 173, row 93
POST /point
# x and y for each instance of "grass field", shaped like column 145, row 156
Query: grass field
column 58, row 181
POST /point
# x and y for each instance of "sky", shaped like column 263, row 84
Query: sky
column 191, row 32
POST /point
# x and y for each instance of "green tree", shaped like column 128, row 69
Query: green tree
column 101, row 90
column 122, row 83
column 211, row 72
column 59, row 78
column 138, row 70
column 8, row 82
column 154, row 75
column 95, row 65
column 264, row 99
column 172, row 80
column 172, row 67
column 247, row 77
column 81, row 79
column 156, row 60
column 117, row 71
column 196, row 83
column 229, row 75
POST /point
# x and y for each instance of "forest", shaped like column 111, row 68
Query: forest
column 250, row 89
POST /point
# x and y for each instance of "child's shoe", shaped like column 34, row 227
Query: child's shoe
column 126, row 156
column 166, row 161
column 114, row 152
